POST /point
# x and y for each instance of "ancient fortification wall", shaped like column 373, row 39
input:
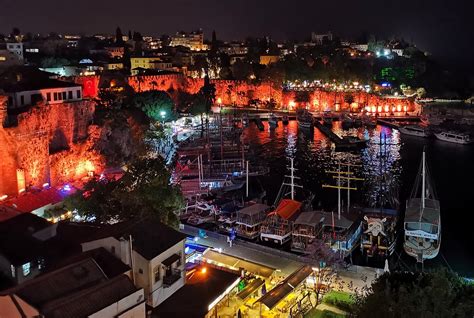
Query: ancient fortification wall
column 49, row 143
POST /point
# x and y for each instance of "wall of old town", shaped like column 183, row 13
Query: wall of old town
column 231, row 92
column 48, row 144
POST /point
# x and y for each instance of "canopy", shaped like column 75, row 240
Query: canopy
column 287, row 208
column 250, row 288
column 282, row 290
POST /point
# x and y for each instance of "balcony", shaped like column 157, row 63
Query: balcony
column 172, row 278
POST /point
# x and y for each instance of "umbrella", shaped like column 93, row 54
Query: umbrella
column 386, row 269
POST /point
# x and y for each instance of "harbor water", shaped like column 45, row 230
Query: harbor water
column 315, row 155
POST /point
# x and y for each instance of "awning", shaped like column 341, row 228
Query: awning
column 287, row 208
column 250, row 288
column 282, row 290
column 170, row 260
column 222, row 259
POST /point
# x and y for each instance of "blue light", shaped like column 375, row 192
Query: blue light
column 67, row 188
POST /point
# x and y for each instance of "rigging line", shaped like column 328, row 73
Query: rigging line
column 446, row 261
column 403, row 263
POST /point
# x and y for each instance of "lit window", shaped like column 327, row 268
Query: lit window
column 156, row 272
column 26, row 269
column 3, row 58
column 13, row 269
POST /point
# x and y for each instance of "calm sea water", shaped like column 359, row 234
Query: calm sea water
column 314, row 154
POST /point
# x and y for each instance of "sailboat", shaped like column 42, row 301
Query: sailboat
column 422, row 218
column 342, row 233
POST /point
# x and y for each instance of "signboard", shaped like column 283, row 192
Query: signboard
column 422, row 234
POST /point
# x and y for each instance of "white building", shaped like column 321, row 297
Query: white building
column 16, row 48
column 49, row 91
column 154, row 251
column 193, row 40
column 319, row 38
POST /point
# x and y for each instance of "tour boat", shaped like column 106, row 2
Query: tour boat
column 273, row 121
column 305, row 119
column 457, row 138
column 379, row 225
column 413, row 130
column 422, row 218
column 278, row 224
column 249, row 220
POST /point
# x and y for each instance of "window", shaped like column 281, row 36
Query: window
column 156, row 273
column 78, row 94
column 140, row 271
column 69, row 95
column 22, row 100
column 26, row 269
column 48, row 97
column 3, row 58
column 64, row 95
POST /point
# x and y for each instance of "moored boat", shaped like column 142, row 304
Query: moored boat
column 273, row 121
column 305, row 119
column 422, row 218
column 414, row 130
column 454, row 137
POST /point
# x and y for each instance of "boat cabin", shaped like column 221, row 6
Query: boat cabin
column 249, row 220
column 277, row 225
column 422, row 230
column 342, row 234
column 306, row 228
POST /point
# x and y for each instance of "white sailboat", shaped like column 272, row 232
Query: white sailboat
column 422, row 219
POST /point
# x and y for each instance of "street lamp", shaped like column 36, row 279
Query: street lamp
column 163, row 115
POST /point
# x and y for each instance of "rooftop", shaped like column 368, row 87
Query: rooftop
column 201, row 289
column 143, row 232
column 32, row 200
column 287, row 208
column 310, row 218
column 253, row 209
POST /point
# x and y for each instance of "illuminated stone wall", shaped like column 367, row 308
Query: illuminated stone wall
column 49, row 143
column 241, row 92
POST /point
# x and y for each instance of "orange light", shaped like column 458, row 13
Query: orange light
column 374, row 109
column 337, row 107
column 405, row 108
column 379, row 109
column 292, row 104
column 203, row 270
column 367, row 109
column 399, row 108
column 386, row 108
column 219, row 100
column 393, row 109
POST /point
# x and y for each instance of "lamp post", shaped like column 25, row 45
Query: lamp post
column 163, row 116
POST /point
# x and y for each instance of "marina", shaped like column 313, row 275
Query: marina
column 361, row 230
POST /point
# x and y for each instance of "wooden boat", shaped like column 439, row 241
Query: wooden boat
column 422, row 218
column 249, row 220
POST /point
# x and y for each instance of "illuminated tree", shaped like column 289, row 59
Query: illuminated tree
column 157, row 105
column 143, row 192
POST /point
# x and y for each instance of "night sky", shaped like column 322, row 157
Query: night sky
column 444, row 28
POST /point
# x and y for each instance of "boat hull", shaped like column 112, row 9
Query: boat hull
column 416, row 133
column 442, row 137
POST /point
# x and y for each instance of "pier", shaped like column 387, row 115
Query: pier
column 342, row 143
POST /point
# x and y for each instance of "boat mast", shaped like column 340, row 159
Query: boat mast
column 423, row 185
column 292, row 178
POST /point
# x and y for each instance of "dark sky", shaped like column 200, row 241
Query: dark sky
column 444, row 28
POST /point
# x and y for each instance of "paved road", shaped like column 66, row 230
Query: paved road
column 358, row 275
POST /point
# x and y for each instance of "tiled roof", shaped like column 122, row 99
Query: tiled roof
column 287, row 208
column 32, row 200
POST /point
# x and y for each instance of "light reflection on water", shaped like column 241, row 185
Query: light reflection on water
column 315, row 154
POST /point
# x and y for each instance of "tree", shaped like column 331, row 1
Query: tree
column 144, row 191
column 440, row 293
column 157, row 105
column 199, row 108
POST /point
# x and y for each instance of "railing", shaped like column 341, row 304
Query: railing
column 171, row 279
